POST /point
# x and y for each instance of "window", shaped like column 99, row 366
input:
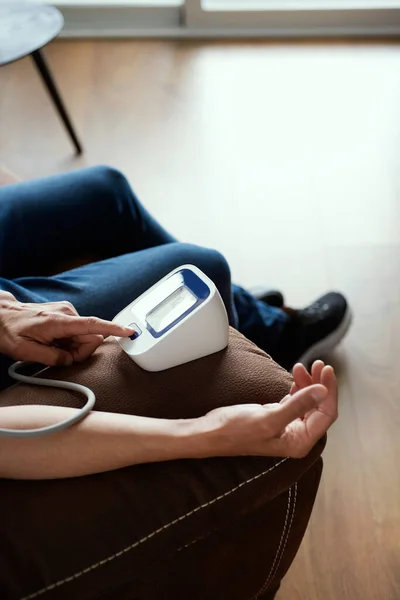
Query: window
column 296, row 17
column 296, row 4
column 188, row 18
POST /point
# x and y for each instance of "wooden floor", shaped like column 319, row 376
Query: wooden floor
column 287, row 158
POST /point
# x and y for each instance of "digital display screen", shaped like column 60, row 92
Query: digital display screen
column 173, row 307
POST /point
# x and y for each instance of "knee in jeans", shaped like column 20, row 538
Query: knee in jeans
column 212, row 263
column 113, row 187
column 111, row 177
column 220, row 271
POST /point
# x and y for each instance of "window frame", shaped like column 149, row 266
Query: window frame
column 158, row 19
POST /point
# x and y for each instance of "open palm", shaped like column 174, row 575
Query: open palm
column 289, row 428
column 315, row 423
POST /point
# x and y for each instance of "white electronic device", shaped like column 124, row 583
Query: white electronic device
column 179, row 319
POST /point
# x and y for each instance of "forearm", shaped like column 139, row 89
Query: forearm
column 100, row 442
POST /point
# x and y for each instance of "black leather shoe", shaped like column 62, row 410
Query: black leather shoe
column 313, row 331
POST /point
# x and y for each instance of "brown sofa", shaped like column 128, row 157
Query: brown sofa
column 223, row 528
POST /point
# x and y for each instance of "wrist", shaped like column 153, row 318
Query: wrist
column 198, row 438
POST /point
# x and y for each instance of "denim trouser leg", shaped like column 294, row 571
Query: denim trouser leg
column 94, row 212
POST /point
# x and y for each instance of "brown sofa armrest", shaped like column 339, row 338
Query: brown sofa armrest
column 170, row 530
column 248, row 558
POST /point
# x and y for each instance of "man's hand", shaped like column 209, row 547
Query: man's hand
column 290, row 428
column 51, row 333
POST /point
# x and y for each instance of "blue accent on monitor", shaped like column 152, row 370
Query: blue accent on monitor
column 196, row 285
column 137, row 329
column 198, row 288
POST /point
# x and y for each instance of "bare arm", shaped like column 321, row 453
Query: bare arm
column 108, row 441
column 101, row 442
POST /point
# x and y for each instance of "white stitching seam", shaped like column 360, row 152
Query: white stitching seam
column 275, row 564
column 264, row 587
column 288, row 532
column 150, row 535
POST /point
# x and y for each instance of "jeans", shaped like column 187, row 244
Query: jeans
column 94, row 213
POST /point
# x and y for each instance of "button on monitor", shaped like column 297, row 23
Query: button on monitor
column 137, row 329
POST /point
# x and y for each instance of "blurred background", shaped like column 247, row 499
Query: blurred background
column 271, row 131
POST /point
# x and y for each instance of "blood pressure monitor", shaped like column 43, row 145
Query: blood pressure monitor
column 179, row 319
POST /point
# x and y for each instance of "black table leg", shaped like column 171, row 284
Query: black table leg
column 44, row 70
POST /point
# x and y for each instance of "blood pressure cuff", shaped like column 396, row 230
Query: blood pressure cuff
column 199, row 529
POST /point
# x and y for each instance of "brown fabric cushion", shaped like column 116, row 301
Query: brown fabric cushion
column 146, row 531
